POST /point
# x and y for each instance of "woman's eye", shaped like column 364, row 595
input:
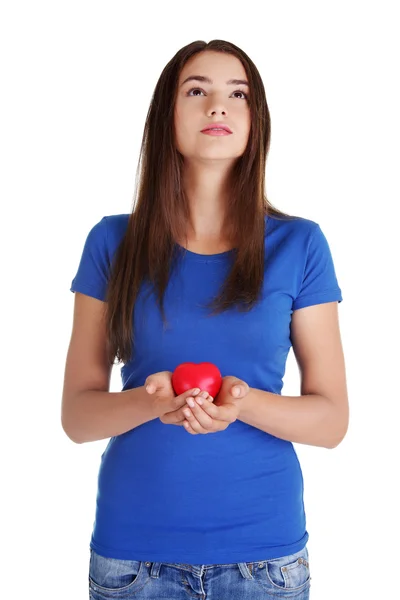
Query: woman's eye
column 240, row 92
column 194, row 90
column 200, row 90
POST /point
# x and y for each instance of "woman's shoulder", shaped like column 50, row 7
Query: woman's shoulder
column 292, row 224
column 118, row 221
column 117, row 224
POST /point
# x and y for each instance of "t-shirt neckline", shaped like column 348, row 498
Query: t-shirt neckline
column 220, row 256
column 188, row 254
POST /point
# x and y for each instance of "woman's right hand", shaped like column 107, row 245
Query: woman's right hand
column 159, row 387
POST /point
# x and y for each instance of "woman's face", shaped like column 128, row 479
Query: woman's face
column 201, row 103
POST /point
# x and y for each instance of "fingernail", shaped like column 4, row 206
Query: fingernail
column 195, row 391
column 236, row 391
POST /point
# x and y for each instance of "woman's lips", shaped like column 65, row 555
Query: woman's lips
column 215, row 132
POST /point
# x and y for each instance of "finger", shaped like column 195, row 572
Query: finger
column 221, row 413
column 222, row 416
column 193, row 422
column 207, row 417
column 202, row 402
column 153, row 384
column 193, row 426
column 240, row 389
column 188, row 428
column 175, row 416
column 168, row 421
column 187, row 393
column 199, row 420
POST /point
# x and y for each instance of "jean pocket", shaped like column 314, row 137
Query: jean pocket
column 290, row 573
column 113, row 575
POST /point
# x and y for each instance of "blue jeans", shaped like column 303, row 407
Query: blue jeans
column 274, row 579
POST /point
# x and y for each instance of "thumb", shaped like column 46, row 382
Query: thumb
column 151, row 385
column 238, row 390
column 157, row 381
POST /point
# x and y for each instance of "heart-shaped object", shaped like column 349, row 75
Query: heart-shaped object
column 204, row 375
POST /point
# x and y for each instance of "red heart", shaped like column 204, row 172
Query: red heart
column 204, row 375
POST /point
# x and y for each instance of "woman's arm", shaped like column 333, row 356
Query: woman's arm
column 96, row 414
column 310, row 419
column 320, row 416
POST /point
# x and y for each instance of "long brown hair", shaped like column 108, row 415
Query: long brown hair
column 160, row 214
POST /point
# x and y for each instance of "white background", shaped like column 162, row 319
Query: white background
column 77, row 78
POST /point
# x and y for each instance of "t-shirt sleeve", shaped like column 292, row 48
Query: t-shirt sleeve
column 93, row 270
column 319, row 282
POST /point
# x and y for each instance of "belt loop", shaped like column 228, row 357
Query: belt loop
column 245, row 571
column 155, row 570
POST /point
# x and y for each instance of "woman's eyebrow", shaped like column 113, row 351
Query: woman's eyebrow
column 208, row 80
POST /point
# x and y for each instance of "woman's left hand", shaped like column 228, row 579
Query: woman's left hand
column 210, row 417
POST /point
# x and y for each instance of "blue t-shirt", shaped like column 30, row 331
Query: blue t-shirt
column 236, row 495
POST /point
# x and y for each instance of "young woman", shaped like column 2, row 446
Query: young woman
column 200, row 496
